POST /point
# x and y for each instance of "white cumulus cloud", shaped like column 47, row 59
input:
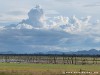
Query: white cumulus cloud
column 39, row 32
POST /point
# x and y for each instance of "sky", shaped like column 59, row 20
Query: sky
column 68, row 25
column 16, row 10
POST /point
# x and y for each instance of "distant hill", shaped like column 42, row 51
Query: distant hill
column 8, row 52
column 55, row 52
column 90, row 52
column 83, row 52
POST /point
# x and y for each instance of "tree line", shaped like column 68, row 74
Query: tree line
column 50, row 58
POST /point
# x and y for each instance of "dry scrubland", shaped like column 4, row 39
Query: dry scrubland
column 44, row 69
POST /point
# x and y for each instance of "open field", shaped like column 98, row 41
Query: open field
column 19, row 64
column 45, row 69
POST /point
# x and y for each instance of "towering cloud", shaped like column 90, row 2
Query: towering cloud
column 36, row 17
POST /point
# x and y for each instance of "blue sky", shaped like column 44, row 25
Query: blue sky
column 65, row 33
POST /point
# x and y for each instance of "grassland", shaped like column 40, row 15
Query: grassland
column 43, row 69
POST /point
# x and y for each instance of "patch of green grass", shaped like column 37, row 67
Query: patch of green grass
column 42, row 69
